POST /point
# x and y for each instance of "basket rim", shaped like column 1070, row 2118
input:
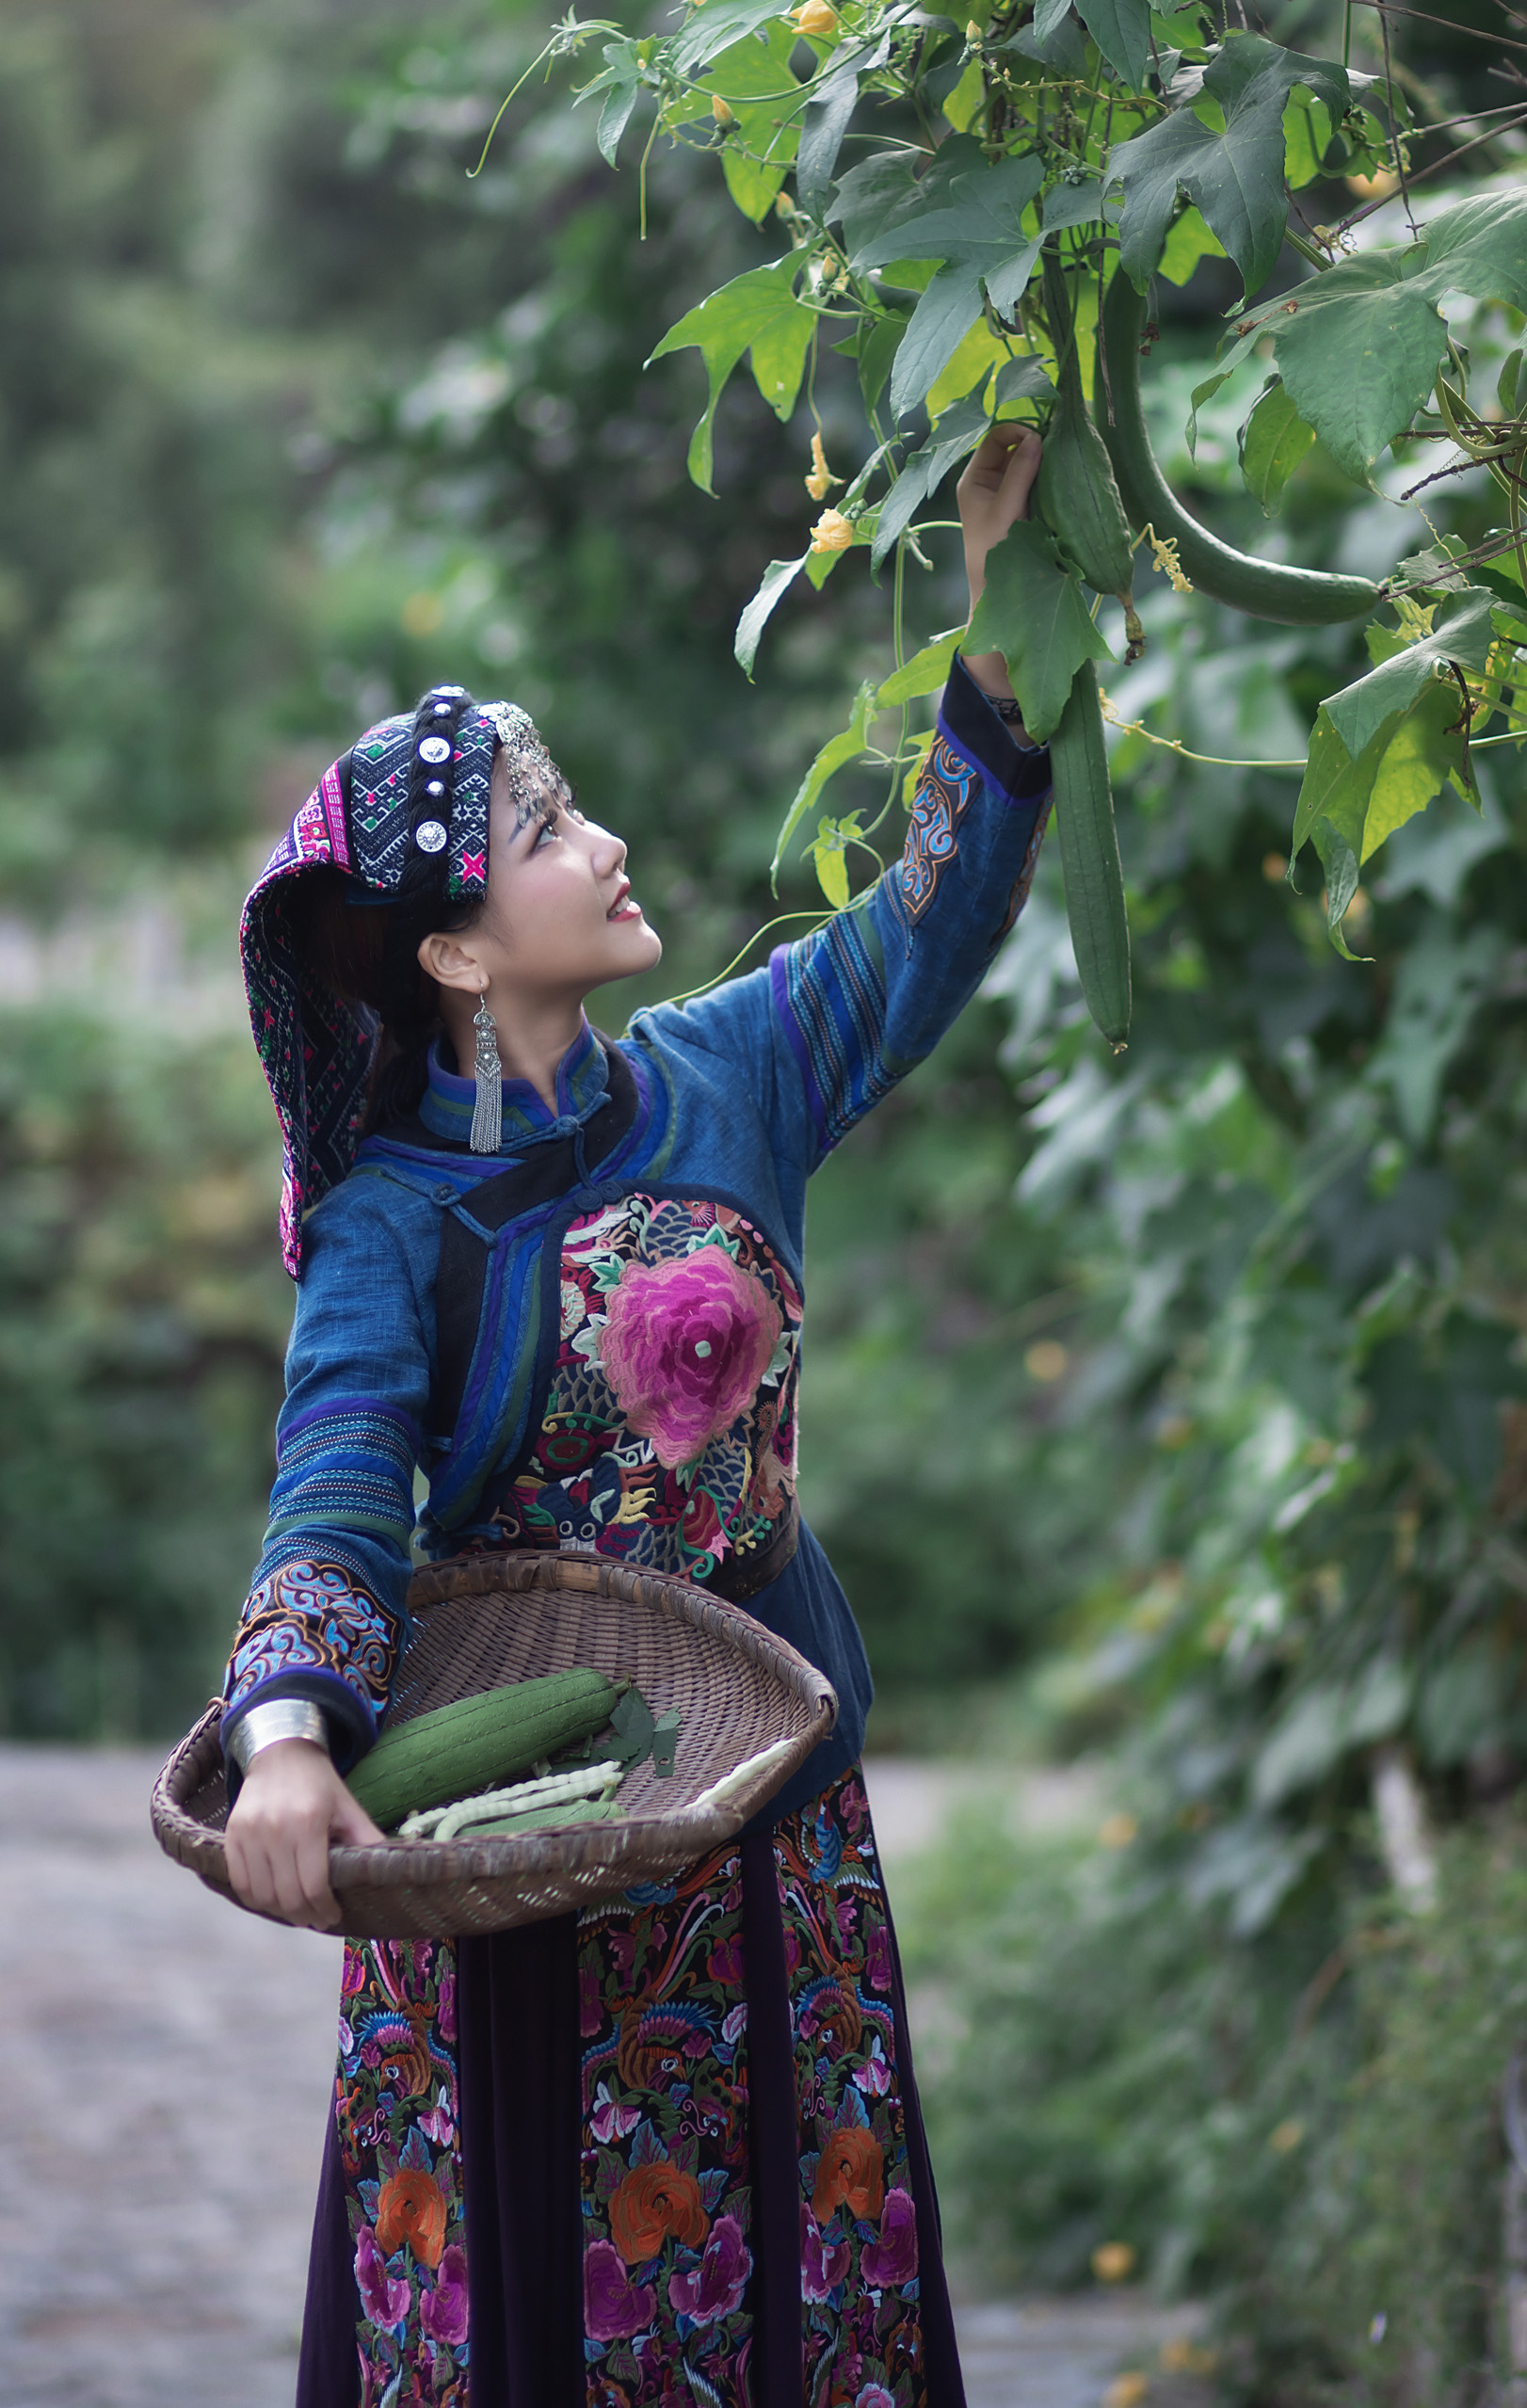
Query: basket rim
column 553, row 1852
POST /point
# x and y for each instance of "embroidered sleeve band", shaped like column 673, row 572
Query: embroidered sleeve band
column 346, row 1467
column 310, row 1630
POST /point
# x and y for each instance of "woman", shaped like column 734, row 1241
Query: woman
column 668, row 2150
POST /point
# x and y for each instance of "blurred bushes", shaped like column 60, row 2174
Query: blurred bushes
column 142, row 1324
column 1307, row 2127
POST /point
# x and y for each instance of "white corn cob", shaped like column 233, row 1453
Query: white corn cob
column 554, row 1789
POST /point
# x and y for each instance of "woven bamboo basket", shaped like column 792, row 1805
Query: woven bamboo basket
column 752, row 1712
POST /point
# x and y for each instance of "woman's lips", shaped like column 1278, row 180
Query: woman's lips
column 624, row 908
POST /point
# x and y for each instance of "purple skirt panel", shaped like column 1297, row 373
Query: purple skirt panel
column 666, row 2151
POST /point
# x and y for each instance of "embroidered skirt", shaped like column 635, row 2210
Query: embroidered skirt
column 666, row 2151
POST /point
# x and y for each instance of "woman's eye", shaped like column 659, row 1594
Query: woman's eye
column 548, row 829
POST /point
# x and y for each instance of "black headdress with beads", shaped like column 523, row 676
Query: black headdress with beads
column 405, row 813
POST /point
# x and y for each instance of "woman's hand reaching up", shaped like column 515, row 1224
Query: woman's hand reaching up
column 993, row 494
column 291, row 1805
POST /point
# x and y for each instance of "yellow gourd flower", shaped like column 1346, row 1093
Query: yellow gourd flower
column 814, row 17
column 832, row 532
column 1164, row 553
column 722, row 114
column 821, row 480
column 1113, row 2261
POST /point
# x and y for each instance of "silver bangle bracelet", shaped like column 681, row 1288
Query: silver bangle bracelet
column 283, row 1718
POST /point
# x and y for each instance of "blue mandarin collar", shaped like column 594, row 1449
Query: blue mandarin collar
column 581, row 1087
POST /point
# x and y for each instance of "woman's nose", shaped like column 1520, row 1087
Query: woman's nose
column 609, row 851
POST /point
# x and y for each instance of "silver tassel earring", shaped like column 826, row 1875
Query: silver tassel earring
column 488, row 1110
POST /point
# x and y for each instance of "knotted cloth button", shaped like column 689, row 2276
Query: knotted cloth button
column 430, row 836
column 435, row 749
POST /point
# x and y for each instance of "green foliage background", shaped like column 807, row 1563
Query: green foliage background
column 1172, row 1409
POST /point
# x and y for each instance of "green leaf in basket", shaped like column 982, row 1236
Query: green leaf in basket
column 634, row 1726
column 664, row 1739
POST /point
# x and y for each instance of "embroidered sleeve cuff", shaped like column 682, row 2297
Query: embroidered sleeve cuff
column 1010, row 770
column 310, row 1629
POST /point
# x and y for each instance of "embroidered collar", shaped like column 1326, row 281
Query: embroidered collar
column 582, row 1085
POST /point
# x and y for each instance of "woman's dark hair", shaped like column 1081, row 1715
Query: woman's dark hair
column 368, row 954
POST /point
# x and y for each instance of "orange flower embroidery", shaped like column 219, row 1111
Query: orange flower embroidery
column 850, row 2170
column 652, row 2202
column 410, row 2207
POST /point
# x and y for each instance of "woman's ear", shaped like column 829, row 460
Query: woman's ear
column 444, row 958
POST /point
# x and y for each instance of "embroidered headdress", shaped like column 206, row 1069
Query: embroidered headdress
column 405, row 813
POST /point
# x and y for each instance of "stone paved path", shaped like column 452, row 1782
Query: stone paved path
column 163, row 2078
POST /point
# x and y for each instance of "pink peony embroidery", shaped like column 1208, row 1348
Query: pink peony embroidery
column 685, row 1348
column 383, row 2300
column 892, row 2259
column 613, row 2305
column 442, row 2312
column 715, row 2289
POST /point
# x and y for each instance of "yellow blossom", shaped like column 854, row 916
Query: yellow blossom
column 1285, row 2137
column 1377, row 187
column 814, row 17
column 1118, row 1831
column 832, row 532
column 821, row 480
column 1127, row 2390
column 1112, row 2261
column 722, row 114
column 1182, row 2356
column 1164, row 553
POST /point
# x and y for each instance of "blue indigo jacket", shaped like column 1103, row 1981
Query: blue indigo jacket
column 474, row 1389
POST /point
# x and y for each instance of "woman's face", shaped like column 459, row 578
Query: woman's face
column 559, row 917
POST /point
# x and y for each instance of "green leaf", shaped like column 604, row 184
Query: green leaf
column 1360, row 345
column 1274, row 441
column 926, row 672
column 874, row 347
column 777, row 577
column 958, row 433
column 943, row 316
column 976, row 230
column 1032, row 613
column 963, row 105
column 1359, row 362
column 749, row 77
column 614, row 118
column 835, row 754
column 756, row 312
column 823, row 126
column 1424, row 754
column 1061, row 49
column 1349, row 806
column 1072, row 205
column 1189, row 241
column 1121, row 29
column 622, row 80
column 870, row 195
column 1023, row 380
column 1234, row 175
column 1461, row 631
column 973, row 220
column 1210, row 385
column 829, row 853
column 713, row 27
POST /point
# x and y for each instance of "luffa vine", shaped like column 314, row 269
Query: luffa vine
column 976, row 218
